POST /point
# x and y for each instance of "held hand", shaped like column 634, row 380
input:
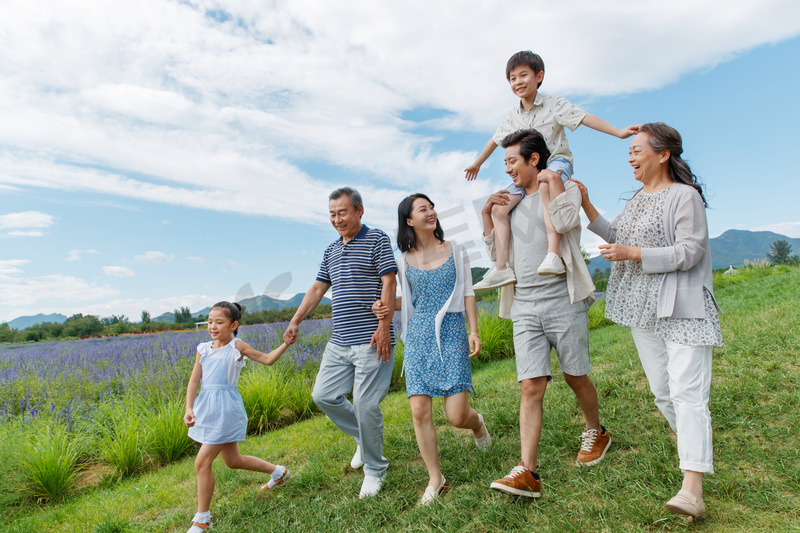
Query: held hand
column 620, row 252
column 498, row 198
column 189, row 419
column 290, row 335
column 474, row 345
column 548, row 175
column 472, row 171
column 382, row 339
column 380, row 310
column 584, row 193
column 624, row 133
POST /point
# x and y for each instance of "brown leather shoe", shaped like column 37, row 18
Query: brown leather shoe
column 593, row 446
column 520, row 482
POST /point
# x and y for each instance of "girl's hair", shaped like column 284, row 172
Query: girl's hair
column 406, row 238
column 232, row 310
column 664, row 137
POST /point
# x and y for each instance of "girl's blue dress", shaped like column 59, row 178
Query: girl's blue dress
column 427, row 371
column 219, row 409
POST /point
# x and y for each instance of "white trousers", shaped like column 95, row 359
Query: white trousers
column 680, row 379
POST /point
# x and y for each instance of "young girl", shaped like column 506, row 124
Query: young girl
column 216, row 417
column 436, row 286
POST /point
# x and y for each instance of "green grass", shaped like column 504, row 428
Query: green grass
column 756, row 487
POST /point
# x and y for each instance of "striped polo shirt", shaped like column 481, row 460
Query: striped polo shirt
column 354, row 272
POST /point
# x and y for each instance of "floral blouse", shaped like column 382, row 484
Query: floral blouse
column 632, row 295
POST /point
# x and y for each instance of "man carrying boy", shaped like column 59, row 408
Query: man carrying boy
column 548, row 115
column 360, row 267
column 547, row 311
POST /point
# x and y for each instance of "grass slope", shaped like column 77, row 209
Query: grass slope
column 754, row 405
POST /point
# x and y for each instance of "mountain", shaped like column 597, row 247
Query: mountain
column 729, row 249
column 250, row 305
column 23, row 322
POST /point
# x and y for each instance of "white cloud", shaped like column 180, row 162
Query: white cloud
column 119, row 271
column 197, row 260
column 25, row 224
column 9, row 266
column 226, row 111
column 75, row 255
column 29, row 294
column 153, row 258
column 789, row 229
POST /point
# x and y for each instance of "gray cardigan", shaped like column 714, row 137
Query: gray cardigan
column 686, row 260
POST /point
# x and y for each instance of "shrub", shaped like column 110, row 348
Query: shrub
column 497, row 336
column 597, row 315
column 169, row 440
column 51, row 463
column 263, row 392
column 124, row 442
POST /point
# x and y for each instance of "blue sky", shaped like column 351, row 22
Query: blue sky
column 164, row 154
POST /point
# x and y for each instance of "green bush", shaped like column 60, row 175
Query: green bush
column 50, row 463
column 169, row 440
column 597, row 315
column 497, row 336
column 124, row 441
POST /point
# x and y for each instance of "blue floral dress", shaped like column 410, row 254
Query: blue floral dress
column 427, row 371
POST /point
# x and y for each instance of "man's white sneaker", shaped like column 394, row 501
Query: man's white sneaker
column 356, row 462
column 494, row 279
column 552, row 265
column 370, row 487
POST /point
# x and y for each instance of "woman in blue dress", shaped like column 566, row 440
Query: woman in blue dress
column 436, row 289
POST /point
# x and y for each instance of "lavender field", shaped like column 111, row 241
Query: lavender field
column 118, row 402
column 70, row 379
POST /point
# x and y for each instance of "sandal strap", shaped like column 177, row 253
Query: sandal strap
column 202, row 525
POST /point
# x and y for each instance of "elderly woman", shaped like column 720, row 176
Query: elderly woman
column 661, row 288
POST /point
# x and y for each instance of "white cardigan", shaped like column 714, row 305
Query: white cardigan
column 455, row 302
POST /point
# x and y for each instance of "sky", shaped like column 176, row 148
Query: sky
column 158, row 154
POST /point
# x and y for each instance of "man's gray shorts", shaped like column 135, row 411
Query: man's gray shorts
column 551, row 323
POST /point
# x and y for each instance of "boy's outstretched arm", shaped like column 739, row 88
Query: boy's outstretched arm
column 597, row 123
column 472, row 170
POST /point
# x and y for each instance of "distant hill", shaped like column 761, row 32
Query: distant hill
column 251, row 305
column 23, row 322
column 730, row 248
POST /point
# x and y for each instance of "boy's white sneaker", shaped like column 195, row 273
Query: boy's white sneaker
column 494, row 279
column 370, row 487
column 552, row 265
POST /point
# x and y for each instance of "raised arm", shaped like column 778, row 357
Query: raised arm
column 310, row 302
column 597, row 123
column 472, row 170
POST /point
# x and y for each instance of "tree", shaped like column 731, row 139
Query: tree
column 183, row 316
column 145, row 317
column 779, row 252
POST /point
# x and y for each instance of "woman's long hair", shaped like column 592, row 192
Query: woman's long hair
column 664, row 137
column 406, row 238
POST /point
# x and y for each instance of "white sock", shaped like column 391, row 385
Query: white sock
column 202, row 518
column 278, row 472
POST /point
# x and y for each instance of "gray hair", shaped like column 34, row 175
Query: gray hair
column 353, row 195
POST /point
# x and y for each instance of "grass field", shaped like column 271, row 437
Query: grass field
column 754, row 404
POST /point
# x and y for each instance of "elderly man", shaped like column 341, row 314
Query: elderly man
column 360, row 268
column 547, row 311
